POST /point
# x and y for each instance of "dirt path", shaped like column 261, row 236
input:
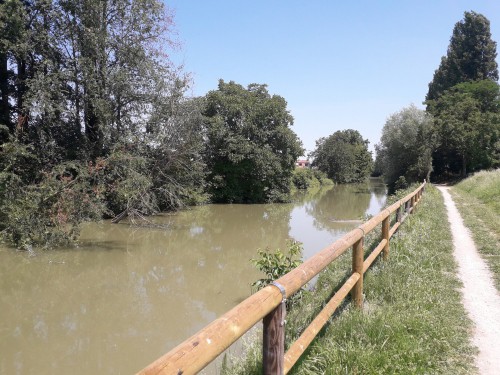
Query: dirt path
column 480, row 297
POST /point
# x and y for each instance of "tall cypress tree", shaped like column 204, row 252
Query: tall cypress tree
column 470, row 57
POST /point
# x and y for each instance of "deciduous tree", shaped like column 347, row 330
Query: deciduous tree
column 251, row 149
column 343, row 156
column 406, row 145
column 467, row 124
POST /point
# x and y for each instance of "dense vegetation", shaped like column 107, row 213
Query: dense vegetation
column 404, row 153
column 461, row 133
column 251, row 150
column 307, row 178
column 343, row 156
column 95, row 122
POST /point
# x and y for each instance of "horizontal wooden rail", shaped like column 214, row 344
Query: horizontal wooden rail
column 301, row 344
column 202, row 348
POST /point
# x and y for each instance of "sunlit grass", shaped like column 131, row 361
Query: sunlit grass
column 478, row 200
column 484, row 186
column 413, row 321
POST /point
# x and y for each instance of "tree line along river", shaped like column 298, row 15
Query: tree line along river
column 129, row 294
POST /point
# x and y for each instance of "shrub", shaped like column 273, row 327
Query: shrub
column 276, row 264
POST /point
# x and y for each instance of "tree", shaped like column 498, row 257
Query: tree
column 250, row 150
column 91, row 88
column 470, row 57
column 468, row 127
column 343, row 156
column 405, row 148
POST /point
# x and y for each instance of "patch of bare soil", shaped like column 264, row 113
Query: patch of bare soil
column 480, row 297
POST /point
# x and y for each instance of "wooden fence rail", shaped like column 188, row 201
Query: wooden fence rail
column 268, row 304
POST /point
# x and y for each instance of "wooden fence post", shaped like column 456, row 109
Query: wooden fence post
column 274, row 341
column 357, row 266
column 399, row 214
column 385, row 235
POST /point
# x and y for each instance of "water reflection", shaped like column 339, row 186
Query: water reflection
column 128, row 295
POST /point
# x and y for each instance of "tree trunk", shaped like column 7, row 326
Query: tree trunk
column 22, row 88
column 4, row 99
column 464, row 167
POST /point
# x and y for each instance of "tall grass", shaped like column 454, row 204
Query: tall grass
column 485, row 187
column 413, row 321
column 478, row 200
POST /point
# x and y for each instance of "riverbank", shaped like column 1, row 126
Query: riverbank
column 413, row 320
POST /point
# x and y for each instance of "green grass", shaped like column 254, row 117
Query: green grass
column 478, row 201
column 413, row 321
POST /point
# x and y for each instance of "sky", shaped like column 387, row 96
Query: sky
column 338, row 64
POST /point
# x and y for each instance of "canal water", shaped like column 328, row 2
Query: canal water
column 126, row 295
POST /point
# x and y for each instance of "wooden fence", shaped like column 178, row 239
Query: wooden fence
column 268, row 304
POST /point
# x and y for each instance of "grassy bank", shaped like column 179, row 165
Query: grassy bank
column 413, row 320
column 478, row 200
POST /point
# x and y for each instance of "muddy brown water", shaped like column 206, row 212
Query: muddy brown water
column 127, row 295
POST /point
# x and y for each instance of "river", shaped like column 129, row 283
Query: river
column 126, row 295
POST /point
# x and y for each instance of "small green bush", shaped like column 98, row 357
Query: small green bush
column 305, row 178
column 275, row 264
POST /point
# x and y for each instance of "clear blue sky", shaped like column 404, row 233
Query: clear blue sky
column 339, row 64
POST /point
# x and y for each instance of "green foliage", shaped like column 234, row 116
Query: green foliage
column 405, row 148
column 276, row 264
column 343, row 156
column 467, row 126
column 400, row 183
column 305, row 178
column 46, row 211
column 463, row 97
column 89, row 85
column 251, row 150
column 470, row 57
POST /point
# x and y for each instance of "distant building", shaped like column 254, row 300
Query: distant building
column 303, row 163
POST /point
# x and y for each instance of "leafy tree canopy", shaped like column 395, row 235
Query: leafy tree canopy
column 250, row 150
column 405, row 149
column 343, row 156
column 468, row 127
column 90, row 99
column 470, row 57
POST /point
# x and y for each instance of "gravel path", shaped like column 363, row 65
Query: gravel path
column 480, row 298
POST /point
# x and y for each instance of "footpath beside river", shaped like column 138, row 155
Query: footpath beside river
column 480, row 297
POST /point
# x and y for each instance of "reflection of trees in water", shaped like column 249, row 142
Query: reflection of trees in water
column 313, row 194
column 343, row 202
column 379, row 189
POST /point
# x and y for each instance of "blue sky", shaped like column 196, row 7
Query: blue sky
column 339, row 64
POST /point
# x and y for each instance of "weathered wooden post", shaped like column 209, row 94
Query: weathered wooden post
column 399, row 214
column 274, row 338
column 357, row 266
column 385, row 236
